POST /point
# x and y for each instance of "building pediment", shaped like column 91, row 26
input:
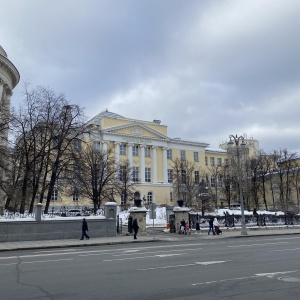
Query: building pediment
column 135, row 129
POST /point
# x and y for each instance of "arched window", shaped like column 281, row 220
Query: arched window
column 149, row 198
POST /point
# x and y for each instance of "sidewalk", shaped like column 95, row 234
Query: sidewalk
column 123, row 239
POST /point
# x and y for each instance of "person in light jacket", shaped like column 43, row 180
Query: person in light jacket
column 216, row 226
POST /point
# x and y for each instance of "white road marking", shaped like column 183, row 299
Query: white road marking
column 45, row 261
column 152, row 252
column 206, row 263
column 180, row 266
column 258, row 244
column 63, row 250
column 139, row 257
column 269, row 275
column 284, row 250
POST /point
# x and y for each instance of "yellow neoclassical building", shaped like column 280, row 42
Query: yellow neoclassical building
column 151, row 154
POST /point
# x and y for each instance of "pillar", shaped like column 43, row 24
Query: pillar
column 165, row 165
column 154, row 164
column 142, row 163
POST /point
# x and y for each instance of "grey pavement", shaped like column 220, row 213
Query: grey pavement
column 153, row 236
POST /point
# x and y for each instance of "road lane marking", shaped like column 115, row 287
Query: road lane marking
column 284, row 250
column 258, row 244
column 139, row 257
column 206, row 263
column 45, row 261
column 162, row 251
column 259, row 275
column 180, row 266
column 63, row 250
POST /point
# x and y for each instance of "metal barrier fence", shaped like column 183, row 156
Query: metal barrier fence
column 231, row 221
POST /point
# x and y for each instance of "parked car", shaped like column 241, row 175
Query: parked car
column 74, row 212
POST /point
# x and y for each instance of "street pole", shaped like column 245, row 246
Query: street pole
column 236, row 140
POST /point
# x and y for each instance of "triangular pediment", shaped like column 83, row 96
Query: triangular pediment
column 135, row 129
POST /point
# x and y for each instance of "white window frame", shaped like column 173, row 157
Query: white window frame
column 182, row 155
column 122, row 149
column 147, row 174
column 147, row 151
column 169, row 153
column 135, row 150
column 196, row 156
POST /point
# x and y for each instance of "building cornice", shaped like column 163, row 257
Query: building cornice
column 7, row 65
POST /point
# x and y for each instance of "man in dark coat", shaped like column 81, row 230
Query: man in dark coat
column 211, row 226
column 84, row 230
column 135, row 228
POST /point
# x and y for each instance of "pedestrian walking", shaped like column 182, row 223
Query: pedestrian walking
column 183, row 226
column 135, row 227
column 85, row 228
column 197, row 227
column 216, row 226
column 211, row 226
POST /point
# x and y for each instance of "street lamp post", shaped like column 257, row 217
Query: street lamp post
column 239, row 145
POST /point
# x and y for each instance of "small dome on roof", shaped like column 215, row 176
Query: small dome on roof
column 2, row 52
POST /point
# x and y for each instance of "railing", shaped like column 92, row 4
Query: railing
column 231, row 221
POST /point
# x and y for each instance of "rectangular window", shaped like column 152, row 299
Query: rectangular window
column 122, row 173
column 213, row 181
column 212, row 161
column 77, row 144
column 182, row 155
column 76, row 169
column 206, row 161
column 123, row 199
column 122, row 149
column 170, row 175
column 135, row 173
column 183, row 176
column 135, row 150
column 97, row 146
column 197, row 177
column 220, row 181
column 147, row 151
column 169, row 153
column 219, row 162
column 75, row 196
column 171, row 196
column 148, row 174
column 196, row 156
column 54, row 196
column 226, row 162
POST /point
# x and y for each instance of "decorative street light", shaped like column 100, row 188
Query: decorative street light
column 239, row 146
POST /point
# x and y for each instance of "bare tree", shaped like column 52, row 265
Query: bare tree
column 185, row 186
column 92, row 173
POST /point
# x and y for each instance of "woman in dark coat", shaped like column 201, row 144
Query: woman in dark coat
column 135, row 228
column 84, row 230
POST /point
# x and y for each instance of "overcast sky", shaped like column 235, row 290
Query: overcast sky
column 206, row 69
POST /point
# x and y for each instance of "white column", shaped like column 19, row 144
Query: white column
column 165, row 165
column 154, row 164
column 104, row 149
column 130, row 155
column 142, row 163
column 117, row 152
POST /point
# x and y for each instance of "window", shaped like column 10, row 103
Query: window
column 75, row 196
column 147, row 151
column 148, row 174
column 226, row 163
column 135, row 150
column 170, row 175
column 122, row 173
column 197, row 177
column 149, row 198
column 122, row 149
column 76, row 169
column 182, row 155
column 206, row 162
column 171, row 196
column 169, row 153
column 135, row 173
column 212, row 161
column 77, row 144
column 183, row 176
column 212, row 181
column 96, row 146
column 196, row 156
column 123, row 198
column 219, row 162
column 220, row 181
column 54, row 196
column 55, row 142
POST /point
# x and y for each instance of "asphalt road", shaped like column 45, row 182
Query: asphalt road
column 238, row 269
